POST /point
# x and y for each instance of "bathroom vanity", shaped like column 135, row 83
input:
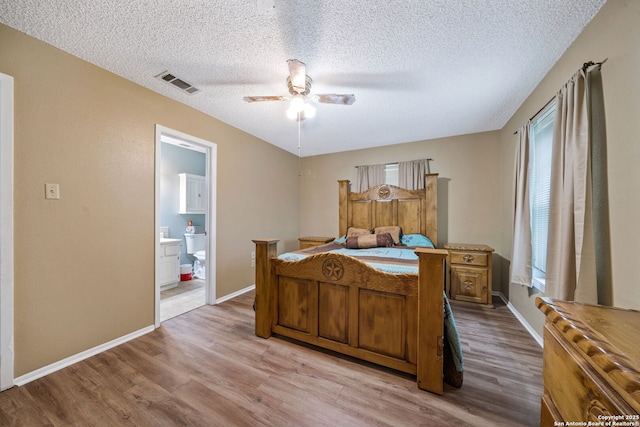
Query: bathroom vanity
column 169, row 263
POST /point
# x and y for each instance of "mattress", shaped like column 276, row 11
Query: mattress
column 396, row 259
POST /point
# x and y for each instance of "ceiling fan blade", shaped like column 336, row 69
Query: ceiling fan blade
column 264, row 98
column 332, row 98
column 298, row 74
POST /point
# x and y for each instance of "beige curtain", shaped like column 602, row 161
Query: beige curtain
column 598, row 136
column 521, row 245
column 411, row 174
column 571, row 271
column 369, row 176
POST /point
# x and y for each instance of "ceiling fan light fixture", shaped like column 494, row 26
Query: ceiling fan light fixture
column 299, row 107
column 297, row 104
column 292, row 114
column 309, row 111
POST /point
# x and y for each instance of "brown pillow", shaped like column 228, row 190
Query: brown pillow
column 369, row 241
column 352, row 231
column 394, row 230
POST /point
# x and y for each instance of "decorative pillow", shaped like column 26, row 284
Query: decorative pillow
column 364, row 241
column 394, row 230
column 417, row 240
column 342, row 239
column 352, row 231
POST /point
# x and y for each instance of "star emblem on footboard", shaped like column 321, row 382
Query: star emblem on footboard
column 332, row 269
column 384, row 192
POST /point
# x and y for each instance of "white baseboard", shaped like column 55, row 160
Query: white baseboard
column 522, row 320
column 235, row 294
column 49, row 369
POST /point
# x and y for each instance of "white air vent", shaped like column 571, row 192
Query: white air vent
column 179, row 83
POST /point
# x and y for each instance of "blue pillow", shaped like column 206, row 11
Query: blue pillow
column 417, row 240
column 341, row 240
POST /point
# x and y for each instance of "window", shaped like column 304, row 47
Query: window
column 541, row 137
column 391, row 173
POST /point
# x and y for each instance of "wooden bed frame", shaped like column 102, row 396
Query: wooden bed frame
column 339, row 303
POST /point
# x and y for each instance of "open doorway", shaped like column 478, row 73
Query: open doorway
column 185, row 223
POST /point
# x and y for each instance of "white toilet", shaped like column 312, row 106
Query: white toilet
column 196, row 247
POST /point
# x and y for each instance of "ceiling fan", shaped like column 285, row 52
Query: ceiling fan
column 299, row 84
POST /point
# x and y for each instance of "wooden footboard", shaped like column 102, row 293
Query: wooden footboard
column 340, row 303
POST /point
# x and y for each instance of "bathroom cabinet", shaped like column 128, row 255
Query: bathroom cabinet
column 193, row 194
column 169, row 263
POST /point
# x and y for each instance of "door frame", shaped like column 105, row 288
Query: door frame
column 6, row 232
column 211, row 153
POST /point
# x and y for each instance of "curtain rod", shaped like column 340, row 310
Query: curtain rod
column 584, row 68
column 428, row 160
column 591, row 64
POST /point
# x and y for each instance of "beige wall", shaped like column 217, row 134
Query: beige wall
column 84, row 265
column 615, row 34
column 468, row 186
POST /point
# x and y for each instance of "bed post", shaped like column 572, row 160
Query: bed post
column 431, row 214
column 265, row 250
column 343, row 212
column 431, row 274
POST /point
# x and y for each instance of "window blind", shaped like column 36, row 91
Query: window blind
column 541, row 136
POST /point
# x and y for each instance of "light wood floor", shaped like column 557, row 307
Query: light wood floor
column 207, row 368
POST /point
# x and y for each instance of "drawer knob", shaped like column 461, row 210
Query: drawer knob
column 468, row 258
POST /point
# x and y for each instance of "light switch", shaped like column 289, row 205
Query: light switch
column 52, row 191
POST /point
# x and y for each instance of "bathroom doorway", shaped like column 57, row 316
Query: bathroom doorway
column 181, row 158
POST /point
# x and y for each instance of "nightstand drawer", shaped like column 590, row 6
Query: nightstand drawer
column 470, row 258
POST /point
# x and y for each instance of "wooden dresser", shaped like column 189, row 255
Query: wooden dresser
column 591, row 364
column 470, row 275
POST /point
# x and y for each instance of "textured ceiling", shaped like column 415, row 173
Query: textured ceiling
column 419, row 69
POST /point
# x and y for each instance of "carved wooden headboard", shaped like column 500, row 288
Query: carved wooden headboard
column 416, row 211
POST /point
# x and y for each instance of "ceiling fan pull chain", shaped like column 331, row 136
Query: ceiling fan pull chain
column 299, row 172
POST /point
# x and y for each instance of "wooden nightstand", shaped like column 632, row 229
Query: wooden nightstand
column 309, row 241
column 470, row 274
